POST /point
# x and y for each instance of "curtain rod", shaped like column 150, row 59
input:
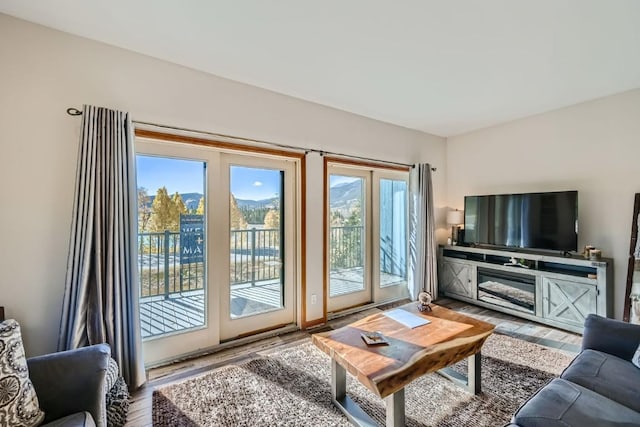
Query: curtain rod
column 75, row 112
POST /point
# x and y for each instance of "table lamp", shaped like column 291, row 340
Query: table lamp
column 455, row 218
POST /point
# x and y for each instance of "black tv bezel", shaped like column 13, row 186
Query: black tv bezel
column 524, row 248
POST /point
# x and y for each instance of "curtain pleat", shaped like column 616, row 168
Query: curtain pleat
column 423, row 265
column 101, row 291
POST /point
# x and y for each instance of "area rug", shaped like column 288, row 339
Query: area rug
column 291, row 387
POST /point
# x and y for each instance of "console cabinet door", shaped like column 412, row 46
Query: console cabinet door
column 566, row 301
column 458, row 278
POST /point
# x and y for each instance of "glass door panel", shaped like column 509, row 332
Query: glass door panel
column 349, row 283
column 393, row 232
column 171, row 245
column 346, row 236
column 391, row 236
column 256, row 245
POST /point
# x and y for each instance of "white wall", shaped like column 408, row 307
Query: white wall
column 592, row 147
column 44, row 71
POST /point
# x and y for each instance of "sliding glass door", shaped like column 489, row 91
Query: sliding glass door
column 367, row 228
column 217, row 246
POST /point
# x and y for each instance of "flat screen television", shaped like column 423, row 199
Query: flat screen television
column 530, row 220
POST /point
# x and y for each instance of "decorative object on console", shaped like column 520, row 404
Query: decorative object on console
column 455, row 218
column 595, row 254
column 424, row 299
column 587, row 251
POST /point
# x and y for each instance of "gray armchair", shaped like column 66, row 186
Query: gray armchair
column 71, row 386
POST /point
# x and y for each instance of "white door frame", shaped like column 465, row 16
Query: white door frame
column 231, row 328
column 166, row 347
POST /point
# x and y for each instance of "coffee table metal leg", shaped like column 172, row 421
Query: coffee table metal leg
column 354, row 413
column 472, row 380
column 395, row 409
column 338, row 381
column 474, row 373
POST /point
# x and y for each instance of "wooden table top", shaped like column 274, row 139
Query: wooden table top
column 411, row 353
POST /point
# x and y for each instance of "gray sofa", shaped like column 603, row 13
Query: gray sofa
column 70, row 386
column 601, row 387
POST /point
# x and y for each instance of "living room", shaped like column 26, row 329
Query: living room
column 584, row 140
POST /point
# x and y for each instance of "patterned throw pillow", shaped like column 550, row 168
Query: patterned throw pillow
column 18, row 400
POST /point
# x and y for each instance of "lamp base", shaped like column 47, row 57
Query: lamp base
column 454, row 234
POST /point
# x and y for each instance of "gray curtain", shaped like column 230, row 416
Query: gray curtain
column 423, row 265
column 101, row 290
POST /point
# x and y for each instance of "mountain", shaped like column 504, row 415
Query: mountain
column 342, row 196
column 191, row 200
column 255, row 204
column 345, row 194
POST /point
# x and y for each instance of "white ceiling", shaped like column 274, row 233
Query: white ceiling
column 444, row 67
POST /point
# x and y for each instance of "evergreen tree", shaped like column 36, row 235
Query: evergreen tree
column 355, row 218
column 179, row 208
column 337, row 219
column 144, row 210
column 200, row 209
column 162, row 212
column 272, row 219
column 272, row 225
column 237, row 220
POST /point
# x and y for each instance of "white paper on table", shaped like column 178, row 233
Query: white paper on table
column 409, row 320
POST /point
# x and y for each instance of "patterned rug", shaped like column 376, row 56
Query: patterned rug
column 291, row 387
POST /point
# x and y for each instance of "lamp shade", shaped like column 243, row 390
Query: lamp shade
column 455, row 217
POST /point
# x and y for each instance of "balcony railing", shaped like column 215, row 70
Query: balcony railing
column 346, row 247
column 255, row 257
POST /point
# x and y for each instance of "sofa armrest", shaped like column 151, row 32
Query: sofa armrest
column 71, row 381
column 611, row 336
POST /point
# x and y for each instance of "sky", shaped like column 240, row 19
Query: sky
column 187, row 176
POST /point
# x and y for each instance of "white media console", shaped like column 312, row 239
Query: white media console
column 552, row 289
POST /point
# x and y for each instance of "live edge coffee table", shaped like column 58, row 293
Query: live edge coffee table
column 411, row 353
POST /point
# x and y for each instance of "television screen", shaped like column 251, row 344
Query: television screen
column 531, row 220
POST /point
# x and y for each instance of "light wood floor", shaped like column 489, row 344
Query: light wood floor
column 140, row 410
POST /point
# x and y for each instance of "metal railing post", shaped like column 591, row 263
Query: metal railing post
column 253, row 256
column 167, row 233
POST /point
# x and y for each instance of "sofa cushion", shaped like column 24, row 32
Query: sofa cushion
column 561, row 403
column 607, row 375
column 79, row 419
column 611, row 336
column 18, row 400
